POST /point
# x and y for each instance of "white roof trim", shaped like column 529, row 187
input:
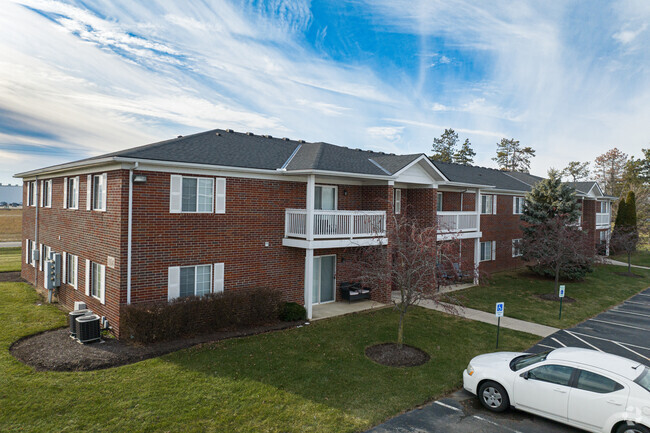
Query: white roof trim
column 431, row 165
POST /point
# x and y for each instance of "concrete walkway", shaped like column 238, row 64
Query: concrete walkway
column 617, row 263
column 482, row 316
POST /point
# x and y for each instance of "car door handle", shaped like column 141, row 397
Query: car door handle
column 614, row 402
column 561, row 391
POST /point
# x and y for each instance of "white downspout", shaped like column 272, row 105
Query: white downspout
column 129, row 236
column 477, row 241
column 35, row 230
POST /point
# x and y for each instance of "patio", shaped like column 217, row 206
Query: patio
column 333, row 309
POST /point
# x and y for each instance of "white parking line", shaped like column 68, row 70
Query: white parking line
column 642, row 294
column 588, row 344
column 627, row 312
column 548, row 347
column 439, row 403
column 627, row 348
column 620, row 324
column 495, row 424
column 558, row 341
column 636, row 303
column 611, row 341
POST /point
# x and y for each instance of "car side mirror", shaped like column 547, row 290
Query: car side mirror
column 524, row 375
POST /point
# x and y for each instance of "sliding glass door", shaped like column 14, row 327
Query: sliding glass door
column 324, row 279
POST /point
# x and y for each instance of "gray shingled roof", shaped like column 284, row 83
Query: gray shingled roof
column 583, row 187
column 481, row 176
column 235, row 149
column 526, row 178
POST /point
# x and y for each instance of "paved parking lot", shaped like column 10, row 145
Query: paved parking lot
column 623, row 330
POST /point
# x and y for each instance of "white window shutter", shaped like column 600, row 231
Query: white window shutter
column 218, row 278
column 173, row 282
column 87, row 277
column 514, row 205
column 102, row 283
column 105, row 187
column 220, row 196
column 89, row 189
column 27, row 251
column 76, row 192
column 76, row 272
column 64, row 268
column 65, row 192
column 40, row 257
column 494, row 249
column 494, row 204
column 41, row 196
column 175, row 193
column 398, row 201
column 49, row 194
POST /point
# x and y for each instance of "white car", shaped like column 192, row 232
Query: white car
column 584, row 388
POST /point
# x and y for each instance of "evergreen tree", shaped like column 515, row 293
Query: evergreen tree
column 644, row 169
column 576, row 171
column 551, row 211
column 444, row 147
column 621, row 215
column 466, row 154
column 511, row 156
column 630, row 210
column 609, row 169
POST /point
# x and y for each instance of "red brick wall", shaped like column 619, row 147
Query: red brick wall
column 502, row 228
column 451, row 201
column 92, row 235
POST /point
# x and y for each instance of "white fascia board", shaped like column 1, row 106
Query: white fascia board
column 333, row 243
column 431, row 165
column 55, row 169
column 454, row 236
column 340, row 174
column 79, row 171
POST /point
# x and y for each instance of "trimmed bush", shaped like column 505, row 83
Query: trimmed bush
column 190, row 316
column 292, row 312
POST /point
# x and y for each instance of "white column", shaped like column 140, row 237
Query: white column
column 311, row 192
column 478, row 209
column 477, row 258
column 309, row 281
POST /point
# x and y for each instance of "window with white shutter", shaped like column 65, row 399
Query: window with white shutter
column 218, row 278
column 220, row 195
column 398, row 201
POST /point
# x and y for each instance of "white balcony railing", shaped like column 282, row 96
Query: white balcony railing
column 457, row 221
column 333, row 224
column 603, row 219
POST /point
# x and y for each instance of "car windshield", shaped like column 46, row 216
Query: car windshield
column 644, row 379
column 525, row 360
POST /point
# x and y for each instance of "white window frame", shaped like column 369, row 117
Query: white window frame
column 72, row 278
column 30, row 247
column 491, row 249
column 31, row 193
column 516, row 248
column 517, row 205
column 196, row 268
column 100, row 179
column 397, row 198
column 490, row 204
column 217, row 192
column 173, row 279
column 336, row 194
column 46, row 199
column 98, row 274
column 439, row 202
column 75, row 189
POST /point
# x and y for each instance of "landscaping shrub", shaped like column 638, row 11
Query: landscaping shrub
column 186, row 317
column 292, row 312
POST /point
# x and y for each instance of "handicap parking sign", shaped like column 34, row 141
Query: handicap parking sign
column 500, row 307
column 561, row 291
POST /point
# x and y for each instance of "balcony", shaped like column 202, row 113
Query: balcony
column 334, row 228
column 457, row 222
column 603, row 219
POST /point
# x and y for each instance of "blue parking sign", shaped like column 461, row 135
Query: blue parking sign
column 500, row 308
column 562, row 291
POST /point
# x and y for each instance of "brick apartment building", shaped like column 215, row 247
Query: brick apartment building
column 222, row 210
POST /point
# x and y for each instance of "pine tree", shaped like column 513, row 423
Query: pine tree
column 630, row 211
column 548, row 199
column 466, row 154
column 621, row 215
column 511, row 156
column 444, row 147
column 576, row 171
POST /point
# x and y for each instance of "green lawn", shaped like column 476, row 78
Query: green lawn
column 599, row 291
column 310, row 379
column 10, row 259
column 640, row 257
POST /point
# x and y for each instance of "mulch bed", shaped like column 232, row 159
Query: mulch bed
column 55, row 351
column 555, row 298
column 391, row 355
column 10, row 277
column 625, row 274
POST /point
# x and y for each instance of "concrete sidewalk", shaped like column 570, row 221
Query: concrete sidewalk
column 482, row 316
column 617, row 263
column 9, row 244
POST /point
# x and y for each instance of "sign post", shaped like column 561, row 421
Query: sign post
column 499, row 314
column 562, row 289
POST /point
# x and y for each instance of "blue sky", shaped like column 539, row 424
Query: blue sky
column 81, row 78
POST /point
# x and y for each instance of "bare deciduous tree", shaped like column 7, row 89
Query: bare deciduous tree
column 412, row 264
column 625, row 241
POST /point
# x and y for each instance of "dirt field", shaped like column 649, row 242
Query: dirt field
column 10, row 224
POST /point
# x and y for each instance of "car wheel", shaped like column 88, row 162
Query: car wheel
column 634, row 428
column 493, row 396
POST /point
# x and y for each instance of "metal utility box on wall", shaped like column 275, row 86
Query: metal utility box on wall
column 53, row 271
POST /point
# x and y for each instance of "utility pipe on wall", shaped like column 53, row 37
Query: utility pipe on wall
column 129, row 236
